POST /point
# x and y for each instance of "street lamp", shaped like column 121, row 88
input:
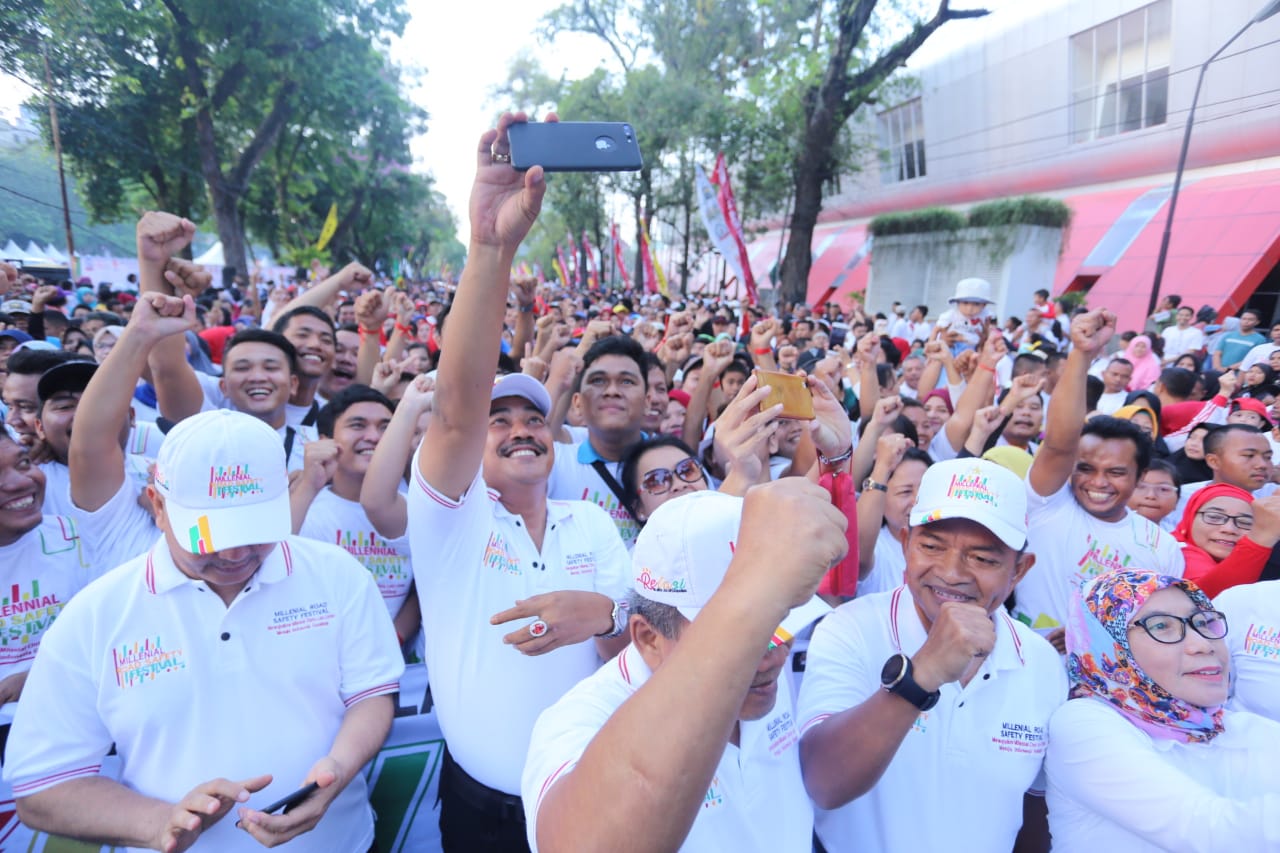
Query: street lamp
column 1267, row 11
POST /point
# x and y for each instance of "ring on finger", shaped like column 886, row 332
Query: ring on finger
column 495, row 157
column 537, row 627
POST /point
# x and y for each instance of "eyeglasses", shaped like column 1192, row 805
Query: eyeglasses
column 659, row 481
column 1167, row 629
column 1217, row 518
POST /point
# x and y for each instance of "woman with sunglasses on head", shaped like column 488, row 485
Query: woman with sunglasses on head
column 1227, row 535
column 1144, row 757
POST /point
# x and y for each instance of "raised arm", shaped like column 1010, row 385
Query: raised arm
column 978, row 392
column 371, row 313
column 380, row 494
column 889, row 451
column 626, row 775
column 354, row 276
column 160, row 237
column 1057, row 454
column 524, row 288
column 504, row 205
column 96, row 457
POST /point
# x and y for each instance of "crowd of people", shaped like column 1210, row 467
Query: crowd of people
column 1013, row 586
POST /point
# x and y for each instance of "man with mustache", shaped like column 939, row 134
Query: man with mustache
column 513, row 586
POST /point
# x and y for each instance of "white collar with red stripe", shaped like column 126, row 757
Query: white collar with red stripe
column 908, row 633
column 162, row 574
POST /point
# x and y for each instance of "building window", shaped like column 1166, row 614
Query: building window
column 902, row 137
column 1120, row 74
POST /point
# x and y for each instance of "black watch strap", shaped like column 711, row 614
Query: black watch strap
column 896, row 678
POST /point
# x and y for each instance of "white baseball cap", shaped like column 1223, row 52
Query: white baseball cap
column 522, row 385
column 224, row 482
column 978, row 490
column 972, row 290
column 684, row 550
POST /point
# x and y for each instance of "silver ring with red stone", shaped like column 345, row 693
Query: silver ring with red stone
column 537, row 627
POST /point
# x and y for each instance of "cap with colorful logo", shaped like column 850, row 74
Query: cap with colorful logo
column 978, row 490
column 224, row 482
column 684, row 550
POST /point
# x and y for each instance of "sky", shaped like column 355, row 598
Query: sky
column 463, row 50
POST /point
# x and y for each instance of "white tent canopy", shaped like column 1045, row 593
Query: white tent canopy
column 11, row 250
column 213, row 257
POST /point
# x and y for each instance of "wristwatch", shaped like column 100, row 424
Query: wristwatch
column 896, row 679
column 619, row 616
column 869, row 484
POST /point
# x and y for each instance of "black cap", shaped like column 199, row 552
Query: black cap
column 68, row 376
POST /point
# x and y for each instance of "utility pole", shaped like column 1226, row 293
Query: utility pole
column 57, row 150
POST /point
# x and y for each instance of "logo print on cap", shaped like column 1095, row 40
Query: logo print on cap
column 972, row 487
column 657, row 583
column 231, row 483
column 201, row 538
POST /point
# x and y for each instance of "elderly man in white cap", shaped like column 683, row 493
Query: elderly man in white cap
column 232, row 650
column 520, row 595
column 716, row 755
column 924, row 711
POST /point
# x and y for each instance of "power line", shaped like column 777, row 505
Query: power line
column 105, row 239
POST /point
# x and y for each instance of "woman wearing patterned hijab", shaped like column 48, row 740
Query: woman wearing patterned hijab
column 1144, row 757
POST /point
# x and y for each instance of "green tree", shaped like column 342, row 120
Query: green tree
column 225, row 79
column 850, row 75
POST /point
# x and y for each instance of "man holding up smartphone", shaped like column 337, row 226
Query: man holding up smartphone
column 515, row 588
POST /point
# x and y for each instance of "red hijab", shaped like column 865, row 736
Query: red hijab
column 1201, row 566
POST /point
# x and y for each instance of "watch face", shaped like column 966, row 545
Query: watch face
column 892, row 671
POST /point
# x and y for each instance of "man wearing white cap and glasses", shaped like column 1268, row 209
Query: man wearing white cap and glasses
column 924, row 711
column 513, row 586
column 752, row 798
column 231, row 651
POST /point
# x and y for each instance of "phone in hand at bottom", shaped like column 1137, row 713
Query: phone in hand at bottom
column 292, row 800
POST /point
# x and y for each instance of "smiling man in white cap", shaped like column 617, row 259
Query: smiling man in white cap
column 924, row 711
column 755, row 800
column 513, row 586
column 228, row 615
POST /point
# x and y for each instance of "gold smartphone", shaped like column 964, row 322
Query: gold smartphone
column 790, row 391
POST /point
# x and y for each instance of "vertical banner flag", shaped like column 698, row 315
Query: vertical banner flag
column 713, row 219
column 330, row 226
column 729, row 207
column 576, row 266
column 593, row 279
column 617, row 257
column 562, row 268
column 658, row 274
column 646, row 260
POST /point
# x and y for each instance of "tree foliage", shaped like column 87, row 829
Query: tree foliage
column 250, row 111
column 771, row 83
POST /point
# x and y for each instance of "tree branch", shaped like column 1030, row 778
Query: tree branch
column 874, row 74
column 264, row 135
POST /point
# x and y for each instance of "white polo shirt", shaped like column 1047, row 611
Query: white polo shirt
column 43, row 569
column 574, row 479
column 1112, row 787
column 889, row 562
column 1253, row 636
column 189, row 689
column 958, row 778
column 471, row 559
column 1073, row 547
column 344, row 523
column 756, row 801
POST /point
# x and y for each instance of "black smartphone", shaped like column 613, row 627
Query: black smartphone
column 575, row 146
column 290, row 802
